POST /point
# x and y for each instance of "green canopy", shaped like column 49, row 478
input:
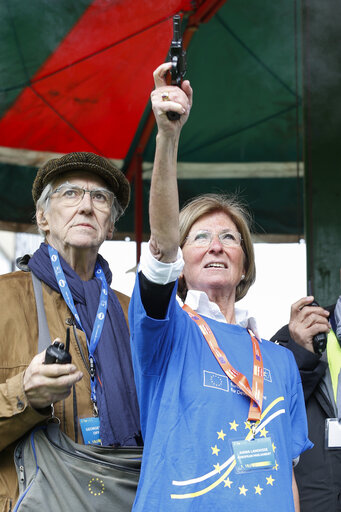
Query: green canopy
column 77, row 76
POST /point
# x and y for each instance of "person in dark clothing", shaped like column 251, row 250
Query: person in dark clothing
column 318, row 473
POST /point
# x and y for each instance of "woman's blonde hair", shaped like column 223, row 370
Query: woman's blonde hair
column 232, row 206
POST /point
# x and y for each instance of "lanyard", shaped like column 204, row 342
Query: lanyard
column 100, row 315
column 256, row 393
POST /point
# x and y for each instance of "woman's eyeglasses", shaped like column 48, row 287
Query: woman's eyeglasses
column 203, row 238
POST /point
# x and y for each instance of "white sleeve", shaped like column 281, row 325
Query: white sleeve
column 158, row 272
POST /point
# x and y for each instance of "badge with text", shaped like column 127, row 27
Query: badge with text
column 253, row 455
column 333, row 434
column 90, row 430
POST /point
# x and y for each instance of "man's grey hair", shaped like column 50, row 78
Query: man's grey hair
column 43, row 204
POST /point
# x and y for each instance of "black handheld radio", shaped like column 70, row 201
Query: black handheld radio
column 320, row 339
column 57, row 352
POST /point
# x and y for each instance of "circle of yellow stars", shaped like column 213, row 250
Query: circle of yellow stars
column 215, row 451
column 96, row 486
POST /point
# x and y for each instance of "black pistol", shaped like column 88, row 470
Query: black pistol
column 57, row 352
column 177, row 57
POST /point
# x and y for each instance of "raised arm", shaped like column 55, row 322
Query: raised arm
column 164, row 201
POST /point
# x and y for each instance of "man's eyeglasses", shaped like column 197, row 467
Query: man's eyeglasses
column 71, row 195
column 203, row 238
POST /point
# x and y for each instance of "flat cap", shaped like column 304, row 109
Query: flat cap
column 88, row 162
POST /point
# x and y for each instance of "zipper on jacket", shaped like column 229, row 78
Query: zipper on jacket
column 19, row 460
column 22, row 474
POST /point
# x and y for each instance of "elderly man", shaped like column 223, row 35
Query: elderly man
column 78, row 199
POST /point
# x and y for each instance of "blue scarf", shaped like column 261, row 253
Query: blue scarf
column 116, row 398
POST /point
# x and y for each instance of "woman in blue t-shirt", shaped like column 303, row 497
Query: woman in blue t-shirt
column 222, row 411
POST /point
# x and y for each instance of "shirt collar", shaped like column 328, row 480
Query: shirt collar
column 199, row 302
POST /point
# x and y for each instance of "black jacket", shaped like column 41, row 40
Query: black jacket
column 318, row 472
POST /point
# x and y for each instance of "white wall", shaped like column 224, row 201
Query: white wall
column 280, row 281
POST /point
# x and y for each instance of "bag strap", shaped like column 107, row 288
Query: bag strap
column 44, row 339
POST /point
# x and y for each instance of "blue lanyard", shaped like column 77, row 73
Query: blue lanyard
column 100, row 316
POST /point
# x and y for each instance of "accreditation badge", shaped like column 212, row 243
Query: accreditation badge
column 253, row 455
column 333, row 434
column 90, row 430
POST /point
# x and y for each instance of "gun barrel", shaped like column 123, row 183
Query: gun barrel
column 176, row 27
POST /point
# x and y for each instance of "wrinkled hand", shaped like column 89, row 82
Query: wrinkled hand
column 180, row 100
column 45, row 384
column 307, row 321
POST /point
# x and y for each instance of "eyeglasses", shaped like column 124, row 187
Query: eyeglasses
column 71, row 195
column 203, row 238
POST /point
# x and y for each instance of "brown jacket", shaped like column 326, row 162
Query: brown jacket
column 18, row 345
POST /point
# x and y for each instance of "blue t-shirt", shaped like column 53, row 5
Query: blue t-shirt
column 191, row 412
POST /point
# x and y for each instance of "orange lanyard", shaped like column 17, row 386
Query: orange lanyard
column 256, row 393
